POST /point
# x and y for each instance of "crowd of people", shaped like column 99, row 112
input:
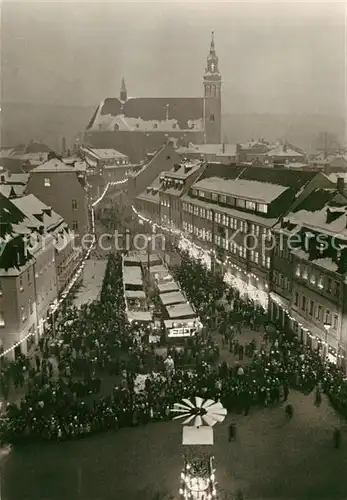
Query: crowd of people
column 66, row 397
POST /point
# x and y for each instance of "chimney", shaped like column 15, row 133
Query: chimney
column 340, row 185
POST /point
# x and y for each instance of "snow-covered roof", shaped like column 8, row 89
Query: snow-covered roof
column 334, row 176
column 105, row 154
column 317, row 221
column 53, row 165
column 231, row 212
column 31, row 206
column 172, row 298
column 15, row 178
column 241, row 188
column 171, row 286
column 135, row 294
column 126, row 123
column 283, row 152
column 8, row 190
column 180, row 311
column 131, row 259
column 209, row 149
column 139, row 316
column 132, row 275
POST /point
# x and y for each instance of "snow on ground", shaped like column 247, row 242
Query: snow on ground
column 93, row 277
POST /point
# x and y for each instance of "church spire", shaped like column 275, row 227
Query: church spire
column 212, row 59
column 212, row 47
column 123, row 91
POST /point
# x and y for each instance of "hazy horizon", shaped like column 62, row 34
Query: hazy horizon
column 281, row 58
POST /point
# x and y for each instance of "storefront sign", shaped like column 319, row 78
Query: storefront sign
column 181, row 332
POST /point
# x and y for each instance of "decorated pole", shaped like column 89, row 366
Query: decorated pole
column 199, row 417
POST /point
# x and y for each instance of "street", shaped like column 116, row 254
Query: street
column 271, row 459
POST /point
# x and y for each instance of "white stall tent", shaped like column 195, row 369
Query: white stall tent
column 172, row 298
column 140, row 316
column 180, row 311
column 132, row 275
column 167, row 287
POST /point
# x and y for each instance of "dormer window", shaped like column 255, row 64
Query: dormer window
column 137, row 125
column 155, row 125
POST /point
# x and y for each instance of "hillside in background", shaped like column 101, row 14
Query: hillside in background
column 50, row 123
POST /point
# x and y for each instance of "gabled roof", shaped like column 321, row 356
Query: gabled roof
column 324, row 210
column 10, row 215
column 32, row 207
column 260, row 184
column 53, row 166
column 150, row 109
column 104, row 154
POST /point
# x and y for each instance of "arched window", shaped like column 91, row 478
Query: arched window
column 213, row 91
column 208, row 90
column 116, row 126
column 211, row 118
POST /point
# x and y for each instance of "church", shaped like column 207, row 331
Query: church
column 136, row 126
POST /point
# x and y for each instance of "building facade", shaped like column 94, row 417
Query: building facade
column 308, row 289
column 36, row 244
column 230, row 213
column 63, row 188
column 136, row 126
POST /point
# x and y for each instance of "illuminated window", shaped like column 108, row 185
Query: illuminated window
column 2, row 319
column 261, row 207
column 47, row 182
column 250, row 205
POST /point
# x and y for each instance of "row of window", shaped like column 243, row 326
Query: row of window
column 230, row 246
column 202, row 234
column 316, row 311
column 283, row 251
column 281, row 281
column 319, row 280
column 225, row 220
column 231, row 201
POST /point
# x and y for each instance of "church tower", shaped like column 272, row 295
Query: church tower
column 123, row 91
column 212, row 98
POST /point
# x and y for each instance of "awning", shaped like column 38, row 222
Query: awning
column 172, row 298
column 144, row 316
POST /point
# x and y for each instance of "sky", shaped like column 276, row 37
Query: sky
column 274, row 57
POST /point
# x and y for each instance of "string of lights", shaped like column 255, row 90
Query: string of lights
column 306, row 330
column 197, row 251
column 57, row 304
column 108, row 185
column 242, row 286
